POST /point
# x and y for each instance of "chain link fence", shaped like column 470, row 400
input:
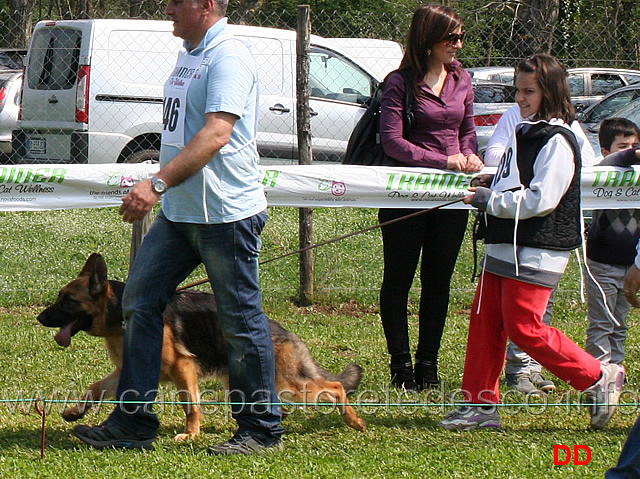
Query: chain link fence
column 76, row 110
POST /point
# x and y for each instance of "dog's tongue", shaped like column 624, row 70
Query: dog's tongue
column 63, row 338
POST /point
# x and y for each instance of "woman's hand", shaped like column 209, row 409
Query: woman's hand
column 474, row 164
column 457, row 162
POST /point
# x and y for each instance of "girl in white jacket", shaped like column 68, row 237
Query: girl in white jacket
column 533, row 221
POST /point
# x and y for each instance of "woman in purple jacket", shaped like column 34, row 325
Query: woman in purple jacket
column 443, row 136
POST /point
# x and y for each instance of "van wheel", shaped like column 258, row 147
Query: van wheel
column 143, row 156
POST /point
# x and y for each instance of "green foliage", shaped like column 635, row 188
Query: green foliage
column 44, row 250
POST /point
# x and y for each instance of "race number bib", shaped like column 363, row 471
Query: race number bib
column 175, row 98
column 176, row 88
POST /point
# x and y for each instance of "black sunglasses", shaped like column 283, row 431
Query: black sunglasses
column 454, row 38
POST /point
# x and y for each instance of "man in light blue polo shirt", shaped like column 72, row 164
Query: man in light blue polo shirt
column 213, row 211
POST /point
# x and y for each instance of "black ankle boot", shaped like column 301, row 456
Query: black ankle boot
column 426, row 374
column 402, row 376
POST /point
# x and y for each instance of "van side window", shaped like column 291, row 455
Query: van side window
column 335, row 78
column 53, row 59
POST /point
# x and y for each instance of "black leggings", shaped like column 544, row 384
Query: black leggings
column 438, row 234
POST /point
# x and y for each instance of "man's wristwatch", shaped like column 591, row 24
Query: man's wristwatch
column 158, row 185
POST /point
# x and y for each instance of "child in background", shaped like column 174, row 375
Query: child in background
column 533, row 222
column 611, row 249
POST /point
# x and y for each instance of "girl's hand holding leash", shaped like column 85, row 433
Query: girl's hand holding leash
column 469, row 198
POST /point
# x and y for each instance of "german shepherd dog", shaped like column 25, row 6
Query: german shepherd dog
column 193, row 348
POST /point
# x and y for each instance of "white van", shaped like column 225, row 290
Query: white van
column 93, row 91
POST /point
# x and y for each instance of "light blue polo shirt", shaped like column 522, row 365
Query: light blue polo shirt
column 228, row 188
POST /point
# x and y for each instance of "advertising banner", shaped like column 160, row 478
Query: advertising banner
column 53, row 187
column 45, row 187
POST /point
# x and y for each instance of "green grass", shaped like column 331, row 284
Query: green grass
column 43, row 251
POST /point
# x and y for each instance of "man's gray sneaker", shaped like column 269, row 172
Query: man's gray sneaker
column 112, row 435
column 522, row 382
column 471, row 417
column 245, row 443
column 604, row 395
column 544, row 385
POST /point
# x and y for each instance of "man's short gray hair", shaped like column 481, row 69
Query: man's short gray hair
column 221, row 6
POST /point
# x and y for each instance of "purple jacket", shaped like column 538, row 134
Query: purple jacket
column 443, row 125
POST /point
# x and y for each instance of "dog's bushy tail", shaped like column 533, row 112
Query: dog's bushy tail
column 350, row 377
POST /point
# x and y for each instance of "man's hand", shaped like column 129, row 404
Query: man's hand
column 631, row 286
column 138, row 202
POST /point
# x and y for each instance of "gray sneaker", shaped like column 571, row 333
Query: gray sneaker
column 604, row 395
column 471, row 417
column 522, row 382
column 244, row 443
column 544, row 385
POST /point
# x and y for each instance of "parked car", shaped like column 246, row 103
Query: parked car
column 12, row 58
column 491, row 100
column 606, row 107
column 590, row 85
column 630, row 111
column 10, row 87
column 495, row 74
column 93, row 90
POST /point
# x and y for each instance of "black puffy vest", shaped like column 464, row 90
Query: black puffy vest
column 559, row 230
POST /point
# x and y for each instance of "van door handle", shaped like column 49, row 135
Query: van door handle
column 279, row 108
column 53, row 99
column 312, row 113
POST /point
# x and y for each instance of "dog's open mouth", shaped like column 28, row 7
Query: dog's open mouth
column 63, row 337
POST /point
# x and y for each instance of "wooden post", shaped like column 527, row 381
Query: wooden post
column 140, row 229
column 305, row 156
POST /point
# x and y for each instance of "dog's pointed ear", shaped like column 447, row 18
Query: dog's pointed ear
column 89, row 265
column 97, row 275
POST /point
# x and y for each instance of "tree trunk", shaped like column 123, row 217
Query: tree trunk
column 538, row 20
column 19, row 31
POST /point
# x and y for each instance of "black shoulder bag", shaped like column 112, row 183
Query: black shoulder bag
column 365, row 147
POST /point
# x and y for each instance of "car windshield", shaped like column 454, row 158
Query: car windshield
column 630, row 112
column 609, row 106
column 6, row 63
column 493, row 94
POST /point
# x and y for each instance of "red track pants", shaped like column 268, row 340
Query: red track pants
column 513, row 309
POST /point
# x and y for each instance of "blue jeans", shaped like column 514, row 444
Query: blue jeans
column 628, row 466
column 169, row 253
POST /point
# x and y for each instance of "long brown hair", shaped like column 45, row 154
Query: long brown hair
column 552, row 78
column 430, row 24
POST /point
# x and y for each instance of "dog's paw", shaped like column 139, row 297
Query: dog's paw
column 184, row 437
column 72, row 414
column 359, row 425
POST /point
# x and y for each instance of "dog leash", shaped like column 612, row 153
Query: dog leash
column 339, row 238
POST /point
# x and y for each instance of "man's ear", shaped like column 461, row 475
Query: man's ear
column 208, row 5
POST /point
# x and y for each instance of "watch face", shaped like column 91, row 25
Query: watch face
column 159, row 186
